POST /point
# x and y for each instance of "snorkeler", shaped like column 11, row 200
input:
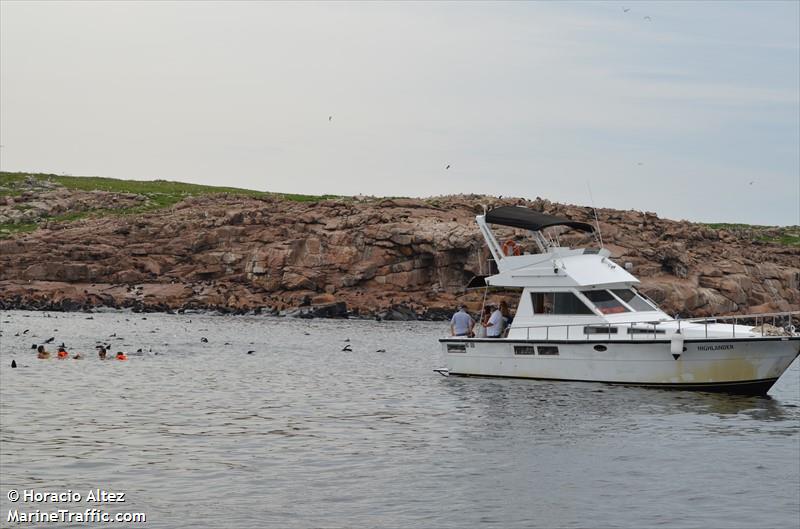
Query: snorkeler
column 121, row 356
column 62, row 352
column 41, row 353
column 101, row 352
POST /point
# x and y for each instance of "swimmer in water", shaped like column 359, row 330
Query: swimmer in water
column 41, row 353
column 62, row 353
column 101, row 352
column 121, row 356
column 77, row 356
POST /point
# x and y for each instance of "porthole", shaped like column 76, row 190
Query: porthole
column 600, row 348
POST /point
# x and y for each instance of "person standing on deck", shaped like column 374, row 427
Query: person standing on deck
column 461, row 324
column 494, row 327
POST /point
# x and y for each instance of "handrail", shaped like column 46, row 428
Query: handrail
column 643, row 325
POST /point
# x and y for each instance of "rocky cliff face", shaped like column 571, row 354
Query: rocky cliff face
column 398, row 258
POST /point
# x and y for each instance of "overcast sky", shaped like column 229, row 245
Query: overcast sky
column 692, row 113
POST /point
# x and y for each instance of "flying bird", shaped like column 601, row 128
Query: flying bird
column 448, row 166
column 751, row 183
column 347, row 348
column 647, row 18
column 330, row 118
column 626, row 9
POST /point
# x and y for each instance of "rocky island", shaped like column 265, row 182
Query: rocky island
column 72, row 243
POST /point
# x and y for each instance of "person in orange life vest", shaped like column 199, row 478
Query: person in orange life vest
column 62, row 353
column 121, row 356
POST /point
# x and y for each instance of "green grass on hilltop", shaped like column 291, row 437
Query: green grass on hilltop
column 732, row 226
column 159, row 193
column 784, row 235
column 786, row 239
column 10, row 184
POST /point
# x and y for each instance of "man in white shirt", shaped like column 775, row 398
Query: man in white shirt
column 494, row 327
column 461, row 323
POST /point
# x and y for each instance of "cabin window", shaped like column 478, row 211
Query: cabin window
column 605, row 302
column 548, row 350
column 633, row 299
column 644, row 330
column 558, row 303
column 524, row 350
column 599, row 329
column 456, row 348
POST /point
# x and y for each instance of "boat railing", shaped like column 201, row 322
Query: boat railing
column 779, row 323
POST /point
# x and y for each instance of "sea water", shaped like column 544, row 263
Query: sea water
column 300, row 433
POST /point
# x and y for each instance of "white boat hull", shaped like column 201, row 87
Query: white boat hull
column 750, row 365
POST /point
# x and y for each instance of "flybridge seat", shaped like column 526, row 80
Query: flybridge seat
column 528, row 219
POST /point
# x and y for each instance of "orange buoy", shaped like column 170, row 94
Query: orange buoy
column 511, row 248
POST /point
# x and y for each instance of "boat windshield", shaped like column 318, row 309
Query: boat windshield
column 634, row 300
column 605, row 302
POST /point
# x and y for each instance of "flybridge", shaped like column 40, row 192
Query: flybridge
column 554, row 266
column 507, row 255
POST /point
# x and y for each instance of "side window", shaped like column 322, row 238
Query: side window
column 633, row 299
column 599, row 329
column 643, row 330
column 558, row 303
column 605, row 302
column 547, row 350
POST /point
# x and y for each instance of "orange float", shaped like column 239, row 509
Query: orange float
column 511, row 248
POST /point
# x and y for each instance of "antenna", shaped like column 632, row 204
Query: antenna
column 596, row 221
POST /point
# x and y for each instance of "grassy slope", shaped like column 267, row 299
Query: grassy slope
column 159, row 193
column 163, row 193
column 785, row 235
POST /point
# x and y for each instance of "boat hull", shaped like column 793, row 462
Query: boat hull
column 749, row 366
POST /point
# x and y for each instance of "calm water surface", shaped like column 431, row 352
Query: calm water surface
column 301, row 434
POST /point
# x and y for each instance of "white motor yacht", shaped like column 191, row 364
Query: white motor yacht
column 581, row 318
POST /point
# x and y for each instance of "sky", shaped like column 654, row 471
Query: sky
column 687, row 109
